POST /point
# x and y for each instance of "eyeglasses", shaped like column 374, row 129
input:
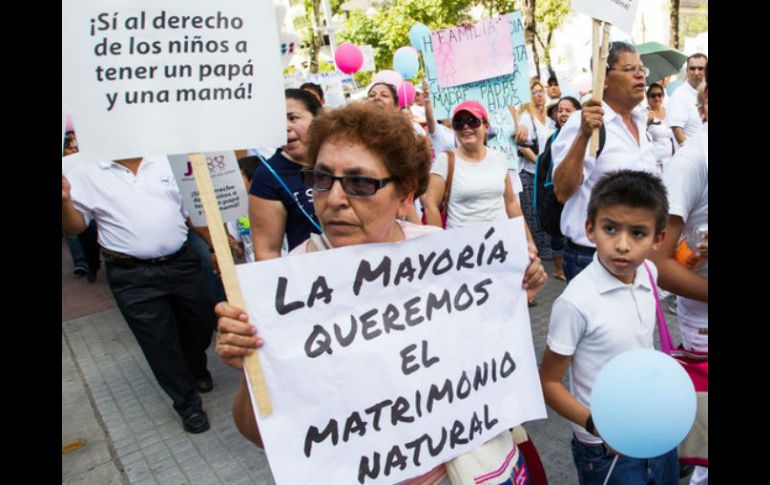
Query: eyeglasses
column 695, row 68
column 538, row 91
column 471, row 121
column 633, row 70
column 352, row 184
column 655, row 95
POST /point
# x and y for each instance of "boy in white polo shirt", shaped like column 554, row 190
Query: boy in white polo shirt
column 605, row 310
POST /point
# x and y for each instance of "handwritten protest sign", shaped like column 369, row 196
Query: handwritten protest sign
column 331, row 83
column 386, row 360
column 145, row 77
column 228, row 186
column 495, row 94
column 619, row 13
column 465, row 55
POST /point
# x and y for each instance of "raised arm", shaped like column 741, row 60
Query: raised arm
column 568, row 175
column 431, row 121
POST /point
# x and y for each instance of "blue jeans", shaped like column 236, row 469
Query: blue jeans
column 575, row 261
column 593, row 462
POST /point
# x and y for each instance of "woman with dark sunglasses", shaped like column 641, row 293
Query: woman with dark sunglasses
column 662, row 137
column 481, row 188
column 367, row 168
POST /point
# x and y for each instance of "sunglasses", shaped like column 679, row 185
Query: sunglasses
column 656, row 95
column 351, row 184
column 471, row 121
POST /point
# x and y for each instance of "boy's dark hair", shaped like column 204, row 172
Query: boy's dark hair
column 633, row 189
column 315, row 88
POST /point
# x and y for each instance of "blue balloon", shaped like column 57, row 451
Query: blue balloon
column 643, row 403
column 406, row 62
column 416, row 33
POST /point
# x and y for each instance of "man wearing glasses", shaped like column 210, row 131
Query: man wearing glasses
column 626, row 146
column 683, row 114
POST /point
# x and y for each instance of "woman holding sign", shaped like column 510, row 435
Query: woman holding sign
column 278, row 203
column 380, row 168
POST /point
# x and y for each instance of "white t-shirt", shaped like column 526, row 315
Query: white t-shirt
column 662, row 140
column 542, row 131
column 620, row 152
column 478, row 188
column 443, row 139
column 682, row 110
column 140, row 215
column 686, row 180
column 596, row 318
column 418, row 112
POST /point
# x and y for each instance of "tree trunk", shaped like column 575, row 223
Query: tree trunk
column 674, row 41
column 529, row 33
column 318, row 40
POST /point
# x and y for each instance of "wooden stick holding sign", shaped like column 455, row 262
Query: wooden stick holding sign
column 227, row 271
column 600, row 70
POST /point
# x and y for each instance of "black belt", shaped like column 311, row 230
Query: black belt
column 578, row 247
column 130, row 261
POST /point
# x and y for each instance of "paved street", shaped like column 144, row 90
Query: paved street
column 121, row 429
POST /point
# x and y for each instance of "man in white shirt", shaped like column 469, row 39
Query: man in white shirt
column 682, row 113
column 626, row 147
column 687, row 184
column 154, row 275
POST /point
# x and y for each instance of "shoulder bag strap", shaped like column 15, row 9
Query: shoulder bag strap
column 666, row 345
column 450, row 155
column 288, row 191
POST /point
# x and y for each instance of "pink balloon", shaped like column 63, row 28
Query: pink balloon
column 348, row 58
column 389, row 77
column 406, row 94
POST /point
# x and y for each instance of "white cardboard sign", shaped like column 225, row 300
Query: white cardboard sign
column 172, row 76
column 619, row 13
column 228, row 186
column 386, row 360
column 369, row 65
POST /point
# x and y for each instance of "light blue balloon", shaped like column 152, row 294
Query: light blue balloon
column 406, row 62
column 643, row 403
column 416, row 33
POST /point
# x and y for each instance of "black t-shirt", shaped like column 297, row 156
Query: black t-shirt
column 266, row 186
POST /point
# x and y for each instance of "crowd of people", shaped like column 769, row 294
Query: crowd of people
column 402, row 174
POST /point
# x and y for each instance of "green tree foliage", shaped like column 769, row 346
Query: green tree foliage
column 549, row 15
column 696, row 23
column 388, row 28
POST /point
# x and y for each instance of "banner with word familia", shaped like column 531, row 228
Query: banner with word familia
column 232, row 199
column 386, row 360
column 495, row 94
column 467, row 55
column 152, row 77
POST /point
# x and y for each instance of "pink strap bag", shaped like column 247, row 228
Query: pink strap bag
column 694, row 449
